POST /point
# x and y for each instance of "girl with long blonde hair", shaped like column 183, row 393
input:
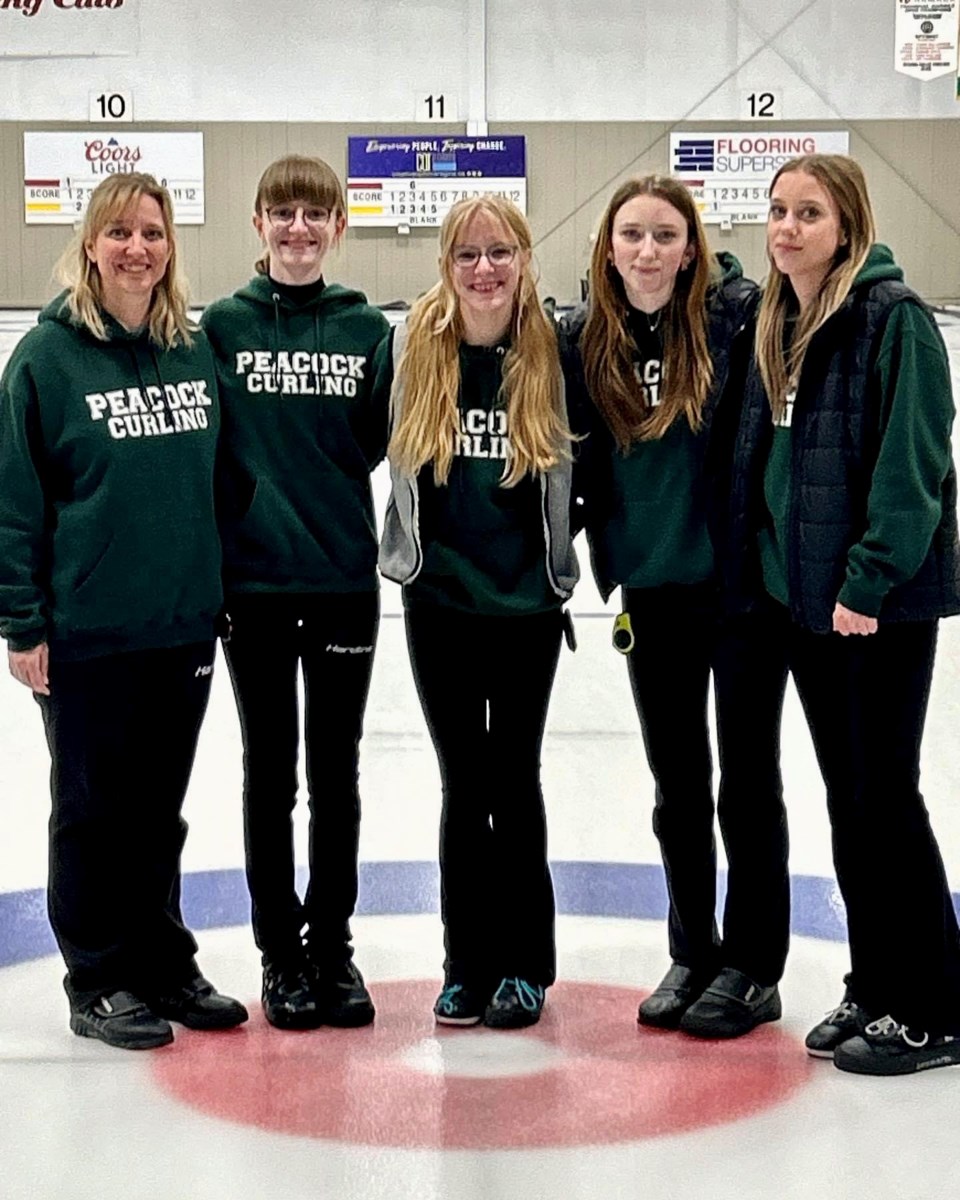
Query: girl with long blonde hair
column 109, row 596
column 477, row 532
column 844, row 555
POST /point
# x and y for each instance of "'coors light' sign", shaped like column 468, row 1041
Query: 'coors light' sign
column 74, row 27
column 62, row 169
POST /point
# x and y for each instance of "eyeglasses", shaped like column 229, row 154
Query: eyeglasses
column 284, row 215
column 497, row 256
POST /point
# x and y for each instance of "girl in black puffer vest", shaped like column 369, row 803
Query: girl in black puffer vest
column 842, row 556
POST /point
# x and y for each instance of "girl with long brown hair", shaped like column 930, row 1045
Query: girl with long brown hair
column 477, row 532
column 648, row 359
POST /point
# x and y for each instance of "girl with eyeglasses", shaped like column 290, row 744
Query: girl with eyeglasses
column 844, row 557
column 653, row 361
column 477, row 532
column 304, row 424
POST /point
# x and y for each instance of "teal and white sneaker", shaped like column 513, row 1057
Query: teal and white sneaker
column 458, row 1005
column 515, row 1004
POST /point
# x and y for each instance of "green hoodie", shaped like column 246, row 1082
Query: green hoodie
column 655, row 530
column 903, row 507
column 108, row 540
column 304, row 424
column 482, row 542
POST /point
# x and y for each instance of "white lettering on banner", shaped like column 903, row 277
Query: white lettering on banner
column 300, row 372
column 174, row 408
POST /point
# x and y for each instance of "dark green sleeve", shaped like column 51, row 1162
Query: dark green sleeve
column 378, row 415
column 22, row 511
column 912, row 375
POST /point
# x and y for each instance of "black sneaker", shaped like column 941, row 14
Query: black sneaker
column 288, row 997
column 122, row 1020
column 886, row 1047
column 458, row 1005
column 342, row 996
column 515, row 1004
column 673, row 996
column 846, row 1021
column 198, row 1005
column 731, row 1006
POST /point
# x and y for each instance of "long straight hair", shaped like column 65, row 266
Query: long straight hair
column 843, row 180
column 429, row 368
column 608, row 348
column 167, row 322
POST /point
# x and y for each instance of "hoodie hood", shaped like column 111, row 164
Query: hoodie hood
column 58, row 312
column 730, row 268
column 143, row 352
column 118, row 335
column 879, row 266
column 260, row 290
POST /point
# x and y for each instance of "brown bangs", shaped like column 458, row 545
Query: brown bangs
column 297, row 177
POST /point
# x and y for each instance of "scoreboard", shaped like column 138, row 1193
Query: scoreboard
column 61, row 171
column 413, row 180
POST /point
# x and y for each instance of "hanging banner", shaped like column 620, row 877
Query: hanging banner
column 60, row 171
column 729, row 173
column 410, row 179
column 74, row 28
column 926, row 38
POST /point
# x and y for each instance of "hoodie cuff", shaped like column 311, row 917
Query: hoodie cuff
column 859, row 600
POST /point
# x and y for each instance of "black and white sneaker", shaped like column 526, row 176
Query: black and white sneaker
column 847, row 1020
column 888, row 1048
column 121, row 1019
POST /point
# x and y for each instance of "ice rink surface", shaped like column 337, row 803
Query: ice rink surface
column 585, row 1105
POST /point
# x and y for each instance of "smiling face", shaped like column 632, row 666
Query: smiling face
column 297, row 235
column 131, row 253
column 649, row 246
column 804, row 231
column 484, row 281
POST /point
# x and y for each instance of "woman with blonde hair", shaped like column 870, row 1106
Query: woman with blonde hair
column 304, row 424
column 477, row 532
column 109, row 590
column 844, row 557
column 651, row 360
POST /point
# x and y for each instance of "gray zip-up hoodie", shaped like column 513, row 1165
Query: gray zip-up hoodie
column 401, row 555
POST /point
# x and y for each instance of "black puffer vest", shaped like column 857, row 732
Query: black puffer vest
column 835, row 439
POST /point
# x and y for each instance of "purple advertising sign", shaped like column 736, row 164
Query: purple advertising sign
column 453, row 156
